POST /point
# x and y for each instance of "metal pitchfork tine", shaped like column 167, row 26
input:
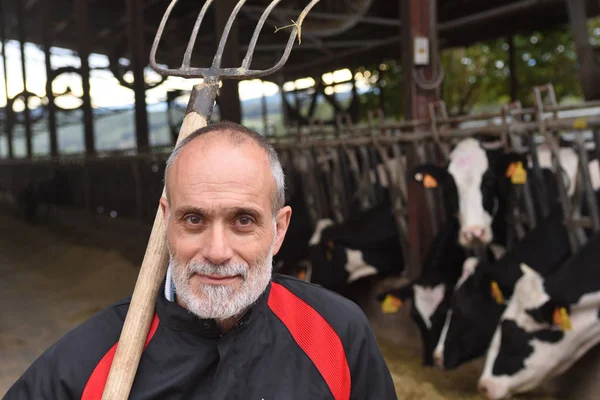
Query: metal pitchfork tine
column 200, row 105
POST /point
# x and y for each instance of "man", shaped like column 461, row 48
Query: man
column 224, row 327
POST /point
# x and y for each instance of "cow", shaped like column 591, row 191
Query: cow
column 549, row 324
column 304, row 252
column 429, row 291
column 433, row 289
column 446, row 254
column 471, row 185
column 367, row 245
column 479, row 296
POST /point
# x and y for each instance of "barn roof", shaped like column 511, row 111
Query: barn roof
column 337, row 33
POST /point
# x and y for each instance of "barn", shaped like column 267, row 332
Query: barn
column 441, row 161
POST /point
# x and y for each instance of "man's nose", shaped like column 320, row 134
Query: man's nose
column 216, row 248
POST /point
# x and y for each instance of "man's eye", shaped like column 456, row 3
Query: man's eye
column 245, row 221
column 193, row 219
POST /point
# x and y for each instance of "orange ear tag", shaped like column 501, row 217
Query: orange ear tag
column 561, row 319
column 496, row 292
column 510, row 170
column 430, row 182
column 302, row 275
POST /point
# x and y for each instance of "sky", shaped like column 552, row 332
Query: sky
column 105, row 89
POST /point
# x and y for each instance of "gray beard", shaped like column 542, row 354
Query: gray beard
column 221, row 302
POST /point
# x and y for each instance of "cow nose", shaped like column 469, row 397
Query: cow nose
column 473, row 232
column 438, row 360
column 483, row 390
column 487, row 390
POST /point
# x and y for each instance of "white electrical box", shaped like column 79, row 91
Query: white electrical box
column 421, row 46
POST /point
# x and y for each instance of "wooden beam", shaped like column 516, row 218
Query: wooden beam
column 46, row 10
column 135, row 13
column 81, row 17
column 21, row 33
column 589, row 68
column 416, row 103
column 7, row 127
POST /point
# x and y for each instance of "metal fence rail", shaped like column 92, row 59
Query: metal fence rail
column 339, row 166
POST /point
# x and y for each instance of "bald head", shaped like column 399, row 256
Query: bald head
column 224, row 137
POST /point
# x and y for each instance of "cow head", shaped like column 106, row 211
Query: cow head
column 470, row 322
column 475, row 186
column 538, row 337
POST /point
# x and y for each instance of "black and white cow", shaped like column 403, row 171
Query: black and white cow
column 466, row 189
column 475, row 185
column 475, row 179
column 549, row 324
column 476, row 306
column 430, row 297
column 366, row 245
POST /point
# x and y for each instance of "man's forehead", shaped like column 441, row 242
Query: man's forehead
column 216, row 164
column 222, row 151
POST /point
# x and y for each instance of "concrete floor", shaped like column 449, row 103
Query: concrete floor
column 53, row 276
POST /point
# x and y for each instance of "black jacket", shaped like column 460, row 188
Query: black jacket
column 299, row 341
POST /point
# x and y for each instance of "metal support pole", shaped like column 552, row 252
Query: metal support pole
column 284, row 107
column 380, row 87
column 589, row 70
column 231, row 109
column 81, row 17
column 418, row 23
column 512, row 65
column 590, row 196
column 48, row 38
column 538, row 181
column 7, row 127
column 265, row 111
column 21, row 33
column 135, row 14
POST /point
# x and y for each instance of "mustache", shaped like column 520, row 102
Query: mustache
column 225, row 270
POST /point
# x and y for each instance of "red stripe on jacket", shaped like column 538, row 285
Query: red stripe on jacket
column 315, row 337
column 95, row 385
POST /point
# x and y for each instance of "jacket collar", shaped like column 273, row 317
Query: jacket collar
column 178, row 318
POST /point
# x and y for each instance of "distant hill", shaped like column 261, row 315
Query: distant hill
column 115, row 127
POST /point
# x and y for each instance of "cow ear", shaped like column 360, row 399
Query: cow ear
column 429, row 175
column 555, row 313
column 560, row 314
column 514, row 167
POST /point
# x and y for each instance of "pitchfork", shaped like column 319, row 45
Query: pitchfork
column 198, row 113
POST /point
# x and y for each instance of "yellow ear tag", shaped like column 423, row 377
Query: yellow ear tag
column 561, row 319
column 519, row 175
column 580, row 123
column 496, row 292
column 391, row 304
column 430, row 182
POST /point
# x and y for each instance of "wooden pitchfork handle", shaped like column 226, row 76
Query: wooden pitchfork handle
column 153, row 269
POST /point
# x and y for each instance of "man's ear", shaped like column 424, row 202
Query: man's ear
column 282, row 222
column 164, row 207
column 429, row 175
